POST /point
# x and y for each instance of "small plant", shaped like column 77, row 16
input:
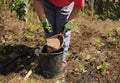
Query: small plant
column 99, row 43
column 21, row 7
column 80, row 68
column 113, row 37
column 103, row 67
column 112, row 53
column 29, row 36
column 98, row 40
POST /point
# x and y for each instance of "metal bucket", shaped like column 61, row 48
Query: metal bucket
column 50, row 64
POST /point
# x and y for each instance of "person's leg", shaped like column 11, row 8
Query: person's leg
column 61, row 18
column 50, row 14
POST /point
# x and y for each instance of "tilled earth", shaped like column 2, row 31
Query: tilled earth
column 93, row 56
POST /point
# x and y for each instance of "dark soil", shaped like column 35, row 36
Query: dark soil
column 94, row 43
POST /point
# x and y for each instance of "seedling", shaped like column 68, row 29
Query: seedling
column 80, row 67
column 29, row 36
column 103, row 67
column 111, row 53
column 98, row 40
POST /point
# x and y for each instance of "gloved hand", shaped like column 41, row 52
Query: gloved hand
column 47, row 26
column 68, row 26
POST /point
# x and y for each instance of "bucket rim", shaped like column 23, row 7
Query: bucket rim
column 51, row 53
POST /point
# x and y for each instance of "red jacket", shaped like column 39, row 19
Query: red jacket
column 61, row 3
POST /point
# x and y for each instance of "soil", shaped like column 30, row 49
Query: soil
column 93, row 57
column 54, row 43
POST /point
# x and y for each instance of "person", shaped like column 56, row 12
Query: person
column 58, row 16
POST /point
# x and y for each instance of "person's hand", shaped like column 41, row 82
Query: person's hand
column 68, row 26
column 47, row 26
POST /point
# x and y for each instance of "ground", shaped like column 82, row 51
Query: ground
column 93, row 55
